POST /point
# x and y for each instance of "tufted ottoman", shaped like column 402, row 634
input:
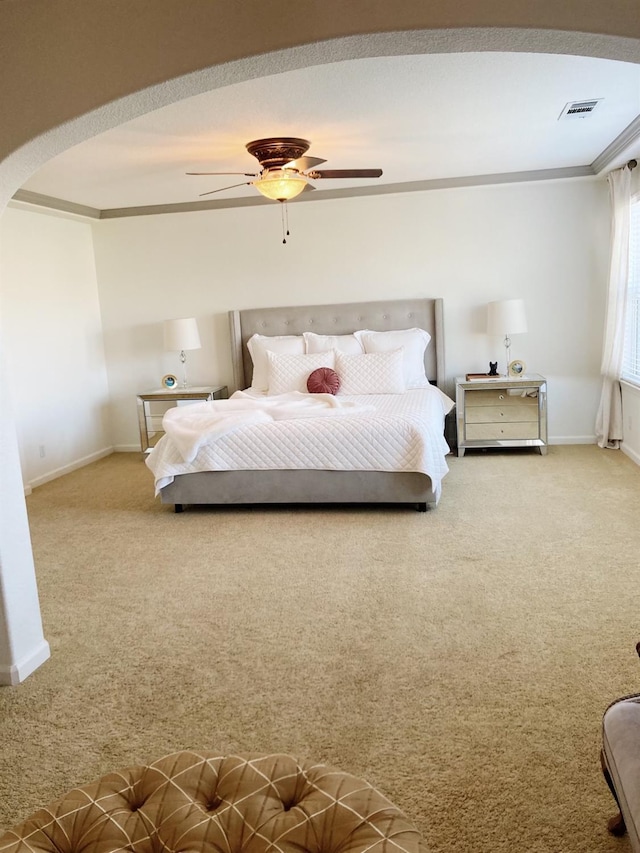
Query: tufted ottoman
column 189, row 802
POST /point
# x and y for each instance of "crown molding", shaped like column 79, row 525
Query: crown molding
column 609, row 155
column 53, row 203
column 321, row 195
column 359, row 192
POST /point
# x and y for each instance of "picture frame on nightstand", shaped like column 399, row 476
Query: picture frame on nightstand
column 517, row 368
column 169, row 381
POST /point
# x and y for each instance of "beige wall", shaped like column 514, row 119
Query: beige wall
column 546, row 242
column 52, row 332
column 71, row 318
column 63, row 58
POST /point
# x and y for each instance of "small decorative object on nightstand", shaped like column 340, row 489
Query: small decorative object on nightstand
column 169, row 381
column 150, row 422
column 502, row 412
column 517, row 368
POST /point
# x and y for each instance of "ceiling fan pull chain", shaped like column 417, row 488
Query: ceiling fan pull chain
column 284, row 213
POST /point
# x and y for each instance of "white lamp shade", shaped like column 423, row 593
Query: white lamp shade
column 181, row 334
column 506, row 317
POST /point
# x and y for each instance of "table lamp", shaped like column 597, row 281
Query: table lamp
column 506, row 317
column 179, row 336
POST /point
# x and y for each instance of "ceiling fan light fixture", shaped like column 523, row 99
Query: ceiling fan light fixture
column 280, row 184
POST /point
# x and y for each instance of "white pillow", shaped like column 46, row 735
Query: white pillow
column 260, row 345
column 290, row 371
column 371, row 373
column 414, row 342
column 341, row 343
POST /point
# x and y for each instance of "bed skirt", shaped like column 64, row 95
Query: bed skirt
column 300, row 487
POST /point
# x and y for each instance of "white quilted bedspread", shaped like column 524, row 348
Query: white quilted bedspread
column 398, row 432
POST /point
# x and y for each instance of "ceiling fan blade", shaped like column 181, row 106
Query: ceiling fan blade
column 303, row 163
column 345, row 173
column 246, row 174
column 233, row 186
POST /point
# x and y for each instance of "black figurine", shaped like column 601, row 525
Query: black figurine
column 493, row 368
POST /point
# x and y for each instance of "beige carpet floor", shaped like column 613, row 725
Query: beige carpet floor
column 459, row 659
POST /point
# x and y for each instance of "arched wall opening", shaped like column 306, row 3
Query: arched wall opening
column 22, row 644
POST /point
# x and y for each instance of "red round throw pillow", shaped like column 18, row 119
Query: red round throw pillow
column 323, row 381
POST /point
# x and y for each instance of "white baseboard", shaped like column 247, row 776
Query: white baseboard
column 126, row 448
column 635, row 457
column 572, row 439
column 12, row 674
column 67, row 469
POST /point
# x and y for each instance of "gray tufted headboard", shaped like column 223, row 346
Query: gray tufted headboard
column 339, row 320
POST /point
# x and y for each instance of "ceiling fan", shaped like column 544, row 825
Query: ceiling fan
column 284, row 170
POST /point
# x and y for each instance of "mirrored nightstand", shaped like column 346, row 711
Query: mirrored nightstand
column 153, row 404
column 502, row 412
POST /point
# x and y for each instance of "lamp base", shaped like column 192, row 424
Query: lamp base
column 183, row 359
column 507, row 354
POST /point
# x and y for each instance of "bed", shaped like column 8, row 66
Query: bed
column 314, row 485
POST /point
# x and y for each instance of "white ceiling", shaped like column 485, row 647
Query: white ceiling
column 418, row 118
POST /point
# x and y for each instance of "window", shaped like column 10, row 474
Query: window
column 631, row 361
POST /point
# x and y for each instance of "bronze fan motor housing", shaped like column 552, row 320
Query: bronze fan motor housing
column 275, row 153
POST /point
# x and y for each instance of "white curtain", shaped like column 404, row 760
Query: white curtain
column 609, row 418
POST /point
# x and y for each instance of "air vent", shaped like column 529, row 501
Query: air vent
column 579, row 109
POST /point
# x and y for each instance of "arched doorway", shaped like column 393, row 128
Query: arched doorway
column 139, row 87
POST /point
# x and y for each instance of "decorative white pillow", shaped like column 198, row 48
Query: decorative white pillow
column 290, row 371
column 371, row 373
column 414, row 342
column 260, row 345
column 340, row 343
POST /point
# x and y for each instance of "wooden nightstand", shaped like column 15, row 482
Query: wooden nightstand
column 502, row 412
column 153, row 404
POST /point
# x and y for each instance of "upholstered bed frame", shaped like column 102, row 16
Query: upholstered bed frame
column 312, row 486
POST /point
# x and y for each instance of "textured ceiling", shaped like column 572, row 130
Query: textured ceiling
column 435, row 117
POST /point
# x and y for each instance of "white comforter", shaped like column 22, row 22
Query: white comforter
column 191, row 427
column 377, row 432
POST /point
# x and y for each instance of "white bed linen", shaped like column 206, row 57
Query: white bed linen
column 398, row 432
column 192, row 427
